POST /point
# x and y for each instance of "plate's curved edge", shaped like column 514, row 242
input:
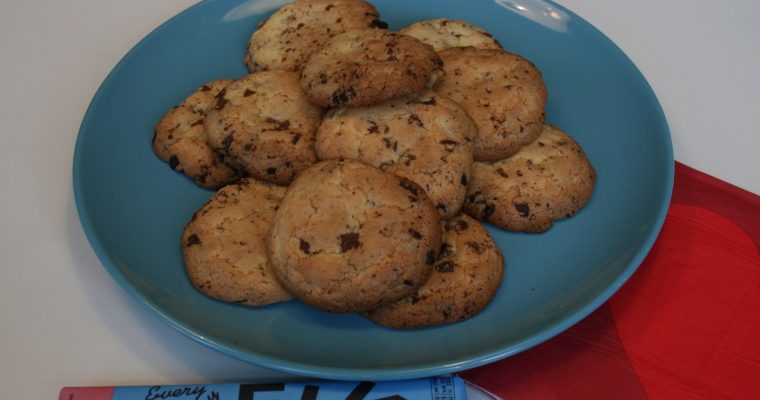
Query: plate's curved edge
column 388, row 374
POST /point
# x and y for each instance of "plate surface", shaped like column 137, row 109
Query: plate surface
column 133, row 207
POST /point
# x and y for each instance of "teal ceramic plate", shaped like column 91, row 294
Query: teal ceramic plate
column 133, row 207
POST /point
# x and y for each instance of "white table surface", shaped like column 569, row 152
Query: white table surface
column 65, row 322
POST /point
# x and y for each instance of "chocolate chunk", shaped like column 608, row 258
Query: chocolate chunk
column 304, row 246
column 205, row 88
column 430, row 257
column 446, row 250
column 271, row 170
column 464, row 180
column 349, row 241
column 378, row 24
column 279, row 125
column 412, row 188
column 414, row 233
column 339, row 98
column 373, row 128
column 445, row 266
column 173, row 162
column 227, row 142
column 248, row 92
column 487, row 211
column 296, row 138
column 475, row 246
column 193, row 239
column 414, row 119
column 220, row 100
column 523, row 209
column 408, row 282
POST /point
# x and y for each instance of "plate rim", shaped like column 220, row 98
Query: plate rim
column 382, row 373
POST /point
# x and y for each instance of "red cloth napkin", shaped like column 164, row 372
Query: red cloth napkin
column 685, row 326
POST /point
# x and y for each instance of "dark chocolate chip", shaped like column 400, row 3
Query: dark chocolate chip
column 304, row 246
column 220, row 100
column 248, row 92
column 408, row 282
column 445, row 266
column 414, row 233
column 475, row 246
column 523, row 209
column 487, row 211
column 271, row 170
column 446, row 250
column 414, row 119
column 193, row 239
column 464, row 179
column 378, row 24
column 430, row 257
column 410, row 187
column 339, row 98
column 173, row 162
column 296, row 138
column 349, row 241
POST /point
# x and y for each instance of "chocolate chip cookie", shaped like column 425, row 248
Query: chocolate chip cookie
column 371, row 66
column 224, row 245
column 465, row 278
column 504, row 93
column 547, row 180
column 350, row 237
column 425, row 138
column 265, row 124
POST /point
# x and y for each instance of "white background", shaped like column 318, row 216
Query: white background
column 64, row 321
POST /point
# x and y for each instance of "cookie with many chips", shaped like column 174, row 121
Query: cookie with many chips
column 350, row 237
column 547, row 180
column 224, row 245
column 366, row 67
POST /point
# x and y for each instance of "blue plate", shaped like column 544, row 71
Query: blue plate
column 133, row 207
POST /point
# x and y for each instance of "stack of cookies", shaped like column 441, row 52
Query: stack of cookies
column 353, row 165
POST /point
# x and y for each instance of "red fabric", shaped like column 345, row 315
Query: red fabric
column 685, row 326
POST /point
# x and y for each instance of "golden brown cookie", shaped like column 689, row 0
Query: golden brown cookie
column 224, row 245
column 443, row 33
column 293, row 33
column 265, row 124
column 465, row 278
column 371, row 66
column 504, row 93
column 180, row 139
column 350, row 237
column 426, row 139
column 547, row 180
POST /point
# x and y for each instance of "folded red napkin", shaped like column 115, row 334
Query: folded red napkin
column 685, row 326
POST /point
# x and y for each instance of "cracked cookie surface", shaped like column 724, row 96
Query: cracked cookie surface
column 180, row 139
column 426, row 139
column 503, row 93
column 293, row 33
column 443, row 33
column 350, row 237
column 365, row 67
column 224, row 245
column 547, row 180
column 465, row 278
column 265, row 124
